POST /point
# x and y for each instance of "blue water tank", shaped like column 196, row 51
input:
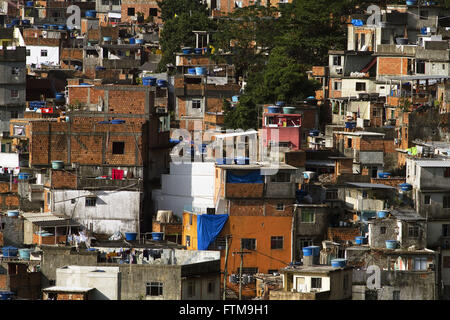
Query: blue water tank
column 157, row 236
column 161, row 83
column 132, row 41
column 307, row 251
column 350, row 124
column 91, row 14
column 224, row 161
column 382, row 214
column 186, row 50
column 360, row 240
column 29, row 3
column 242, row 160
column 13, row 213
column 62, row 27
column 26, row 22
column 315, row 250
column 411, row 2
column 338, row 263
column 384, row 175
column 391, row 244
column 24, row 176
column 191, row 70
column 9, row 251
column 314, row 133
column 25, row 254
column 273, row 109
column 59, row 96
column 117, row 121
column 130, row 236
column 405, row 187
column 200, row 71
column 6, row 295
column 107, row 38
column 139, row 41
column 198, row 50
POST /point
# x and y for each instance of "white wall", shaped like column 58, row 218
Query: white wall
column 107, row 282
column 349, row 87
column 52, row 57
column 114, row 211
column 325, row 283
column 188, row 184
column 9, row 160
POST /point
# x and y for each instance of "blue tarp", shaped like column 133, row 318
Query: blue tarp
column 252, row 177
column 208, row 228
column 357, row 22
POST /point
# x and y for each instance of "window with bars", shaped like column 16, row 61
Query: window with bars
column 280, row 206
column 196, row 104
column 44, row 53
column 276, row 242
column 191, row 289
column 426, row 199
column 446, row 230
column 219, row 244
column 446, row 202
column 307, row 216
column 413, row 231
column 331, row 195
column 90, row 201
column 360, row 86
column 154, row 289
column 248, row 243
column 316, row 283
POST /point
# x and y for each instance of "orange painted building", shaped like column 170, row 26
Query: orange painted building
column 260, row 213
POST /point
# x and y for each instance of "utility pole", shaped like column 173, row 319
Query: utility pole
column 227, row 249
column 242, row 253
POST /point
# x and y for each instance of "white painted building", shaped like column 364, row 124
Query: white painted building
column 42, row 55
column 187, row 185
column 105, row 280
column 104, row 212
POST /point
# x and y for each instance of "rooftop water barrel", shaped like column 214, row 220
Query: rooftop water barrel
column 91, row 14
column 107, row 38
column 411, row 2
column 338, row 263
column 288, row 110
column 24, row 176
column 405, row 186
column 280, row 103
column 117, row 121
column 273, row 109
column 191, row 70
column 139, row 41
column 130, row 236
column 360, row 240
column 25, row 254
column 161, row 83
column 350, row 124
column 62, row 27
column 186, row 50
column 9, row 251
column 382, row 214
column 45, row 26
column 224, row 161
column 6, row 295
column 25, row 22
column 132, row 40
column 235, row 98
column 148, row 81
column 391, row 244
column 200, row 71
column 315, row 250
column 157, row 236
column 198, row 50
column 307, row 251
column 314, row 133
column 384, row 175
column 242, row 160
column 9, row 25
column 59, row 96
column 57, row 164
column 13, row 213
column 84, row 84
column 29, row 3
column 54, row 27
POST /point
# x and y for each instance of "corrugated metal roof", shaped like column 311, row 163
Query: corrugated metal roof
column 67, row 289
column 369, row 185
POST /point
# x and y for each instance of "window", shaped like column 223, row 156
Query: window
column 249, row 244
column 345, row 284
column 196, row 104
column 188, row 241
column 15, row 71
column 316, row 283
column 130, row 11
column 424, row 15
column 154, row 288
column 349, row 142
column 413, row 231
column 305, row 242
column 276, row 242
column 382, row 230
column 447, row 172
column 43, row 53
column 90, row 201
column 280, row 206
column 446, row 202
column 420, row 263
column 396, row 295
column 118, row 147
column 360, row 86
column 337, row 60
column 190, row 219
column 72, row 201
column 337, row 85
column 307, row 216
column 331, row 195
column 14, row 114
column 191, row 289
column 420, row 66
column 105, row 2
column 211, row 286
column 28, row 53
column 153, row 12
column 427, row 199
column 281, row 177
column 272, row 271
column 362, row 39
column 446, row 230
column 446, row 262
column 14, row 93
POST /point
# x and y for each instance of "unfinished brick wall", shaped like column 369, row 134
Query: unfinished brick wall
column 244, row 190
column 393, row 182
column 392, row 66
column 5, row 187
column 61, row 179
column 142, row 6
column 260, row 207
column 343, row 234
column 70, row 296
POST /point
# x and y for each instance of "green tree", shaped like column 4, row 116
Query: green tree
column 170, row 8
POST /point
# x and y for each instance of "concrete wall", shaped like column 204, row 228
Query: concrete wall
column 349, row 87
column 114, row 211
column 9, row 160
column 106, row 280
column 13, row 234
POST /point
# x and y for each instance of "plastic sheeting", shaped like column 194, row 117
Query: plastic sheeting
column 252, row 177
column 208, row 228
